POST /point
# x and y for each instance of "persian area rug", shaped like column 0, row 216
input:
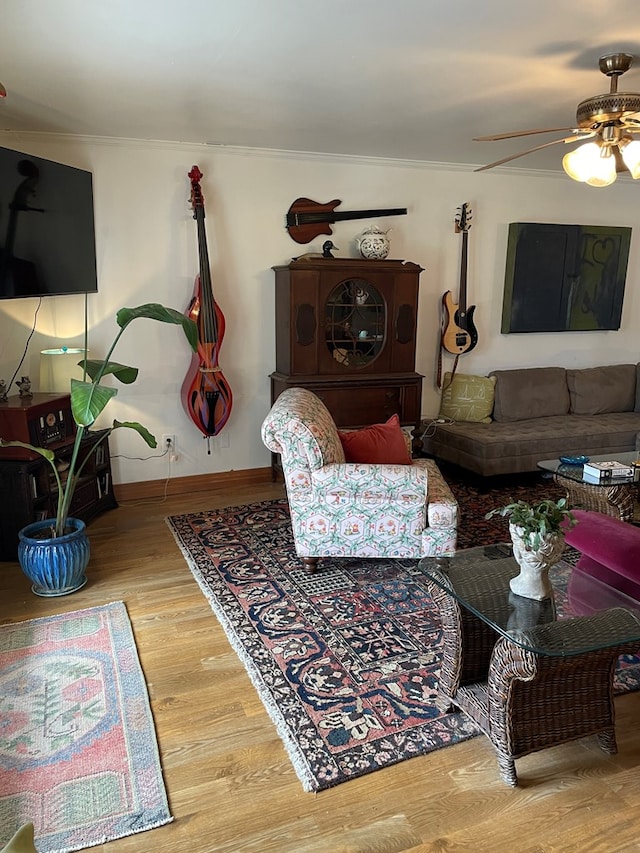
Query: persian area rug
column 78, row 751
column 346, row 661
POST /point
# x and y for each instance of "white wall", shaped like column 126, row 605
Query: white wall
column 147, row 252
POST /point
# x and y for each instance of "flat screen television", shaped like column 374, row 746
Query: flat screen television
column 47, row 234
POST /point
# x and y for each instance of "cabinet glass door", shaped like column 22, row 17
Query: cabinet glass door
column 355, row 322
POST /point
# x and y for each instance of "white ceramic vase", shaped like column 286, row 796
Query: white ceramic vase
column 373, row 243
column 533, row 580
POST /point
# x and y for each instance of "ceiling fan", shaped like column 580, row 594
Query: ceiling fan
column 610, row 120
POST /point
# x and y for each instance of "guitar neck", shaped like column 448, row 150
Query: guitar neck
column 332, row 216
column 365, row 214
column 205, row 269
column 462, row 294
column 207, row 321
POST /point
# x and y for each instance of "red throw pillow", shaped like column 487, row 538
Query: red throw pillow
column 380, row 444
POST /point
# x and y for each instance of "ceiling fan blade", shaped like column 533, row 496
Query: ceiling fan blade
column 566, row 139
column 515, row 133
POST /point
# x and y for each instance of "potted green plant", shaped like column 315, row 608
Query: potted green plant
column 537, row 520
column 537, row 533
column 44, row 544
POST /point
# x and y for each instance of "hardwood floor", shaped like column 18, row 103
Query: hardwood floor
column 230, row 784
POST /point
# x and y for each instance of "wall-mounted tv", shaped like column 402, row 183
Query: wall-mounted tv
column 47, row 235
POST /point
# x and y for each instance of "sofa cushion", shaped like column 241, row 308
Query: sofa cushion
column 467, row 398
column 380, row 443
column 532, row 392
column 504, row 448
column 599, row 390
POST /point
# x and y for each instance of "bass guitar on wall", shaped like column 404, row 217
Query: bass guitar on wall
column 307, row 219
column 206, row 394
column 459, row 333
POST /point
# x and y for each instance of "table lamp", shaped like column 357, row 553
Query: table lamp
column 57, row 367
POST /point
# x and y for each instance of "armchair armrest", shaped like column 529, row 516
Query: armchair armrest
column 300, row 428
column 442, row 507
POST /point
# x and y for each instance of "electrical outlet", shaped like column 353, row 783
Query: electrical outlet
column 169, row 444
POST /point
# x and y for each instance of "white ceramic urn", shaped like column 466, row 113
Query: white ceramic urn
column 535, row 562
column 373, row 244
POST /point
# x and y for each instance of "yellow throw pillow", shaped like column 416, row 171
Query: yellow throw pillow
column 467, row 398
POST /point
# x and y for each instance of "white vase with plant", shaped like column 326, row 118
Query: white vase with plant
column 537, row 534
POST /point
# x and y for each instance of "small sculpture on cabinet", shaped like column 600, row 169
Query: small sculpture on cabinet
column 327, row 248
column 24, row 386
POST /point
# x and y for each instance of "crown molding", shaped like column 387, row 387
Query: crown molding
column 15, row 136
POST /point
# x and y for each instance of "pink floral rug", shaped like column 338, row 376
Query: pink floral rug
column 78, row 751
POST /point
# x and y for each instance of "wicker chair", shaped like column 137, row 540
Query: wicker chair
column 341, row 509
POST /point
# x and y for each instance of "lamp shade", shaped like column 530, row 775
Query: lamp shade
column 587, row 164
column 604, row 172
column 631, row 157
column 57, row 368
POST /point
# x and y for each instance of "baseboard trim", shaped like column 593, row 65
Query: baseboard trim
column 197, row 483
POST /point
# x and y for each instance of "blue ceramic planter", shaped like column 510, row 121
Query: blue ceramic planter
column 56, row 566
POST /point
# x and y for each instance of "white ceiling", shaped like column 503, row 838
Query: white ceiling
column 408, row 79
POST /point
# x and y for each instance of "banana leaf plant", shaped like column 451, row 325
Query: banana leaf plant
column 89, row 399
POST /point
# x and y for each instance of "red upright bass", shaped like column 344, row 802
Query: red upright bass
column 206, row 394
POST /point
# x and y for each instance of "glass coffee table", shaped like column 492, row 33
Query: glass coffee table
column 616, row 498
column 527, row 678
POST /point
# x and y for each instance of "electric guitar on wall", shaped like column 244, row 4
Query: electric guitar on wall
column 307, row 219
column 459, row 333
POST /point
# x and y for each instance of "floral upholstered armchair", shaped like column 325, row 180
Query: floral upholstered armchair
column 342, row 509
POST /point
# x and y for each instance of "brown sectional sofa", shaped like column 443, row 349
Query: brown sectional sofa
column 542, row 413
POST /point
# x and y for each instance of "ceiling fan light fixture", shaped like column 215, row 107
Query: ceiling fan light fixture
column 577, row 163
column 630, row 151
column 604, row 172
column 590, row 164
column 611, row 118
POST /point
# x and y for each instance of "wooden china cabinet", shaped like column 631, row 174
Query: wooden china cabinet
column 346, row 329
